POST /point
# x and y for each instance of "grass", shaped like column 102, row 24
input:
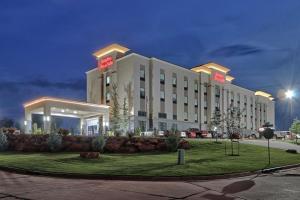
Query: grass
column 205, row 158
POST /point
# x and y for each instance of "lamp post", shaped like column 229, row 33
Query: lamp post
column 290, row 95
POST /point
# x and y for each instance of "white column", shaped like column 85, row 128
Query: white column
column 105, row 122
column 28, row 122
column 47, row 119
column 83, row 130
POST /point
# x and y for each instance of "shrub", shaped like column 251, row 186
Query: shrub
column 63, row 131
column 172, row 142
column 98, row 143
column 292, row 151
column 54, row 142
column 130, row 134
column 137, row 131
column 3, row 141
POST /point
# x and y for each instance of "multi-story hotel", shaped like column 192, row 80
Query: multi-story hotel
column 160, row 95
column 165, row 96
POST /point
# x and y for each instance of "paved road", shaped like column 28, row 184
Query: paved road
column 273, row 143
column 282, row 185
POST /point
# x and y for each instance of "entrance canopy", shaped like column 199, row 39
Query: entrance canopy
column 49, row 106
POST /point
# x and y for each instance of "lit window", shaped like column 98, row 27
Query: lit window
column 107, row 96
column 174, row 98
column 185, row 100
column 196, row 87
column 174, row 81
column 142, row 73
column 162, row 77
column 185, row 116
column 107, row 80
column 185, row 84
column 142, row 93
column 196, row 102
column 162, row 95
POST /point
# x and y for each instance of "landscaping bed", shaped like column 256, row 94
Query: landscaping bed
column 204, row 158
column 38, row 143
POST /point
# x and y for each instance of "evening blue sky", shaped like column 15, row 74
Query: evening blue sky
column 46, row 45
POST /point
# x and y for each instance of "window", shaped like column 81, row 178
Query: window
column 185, row 100
column 185, row 84
column 142, row 73
column 196, row 102
column 174, row 98
column 217, row 91
column 162, row 95
column 196, row 86
column 185, row 115
column 107, row 96
column 162, row 78
column 107, row 80
column 162, row 126
column 174, row 127
column 174, row 81
column 196, row 117
column 142, row 93
column 142, row 125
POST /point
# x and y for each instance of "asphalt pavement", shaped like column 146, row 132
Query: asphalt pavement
column 280, row 185
column 284, row 145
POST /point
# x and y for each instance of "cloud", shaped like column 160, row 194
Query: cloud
column 76, row 84
column 236, row 50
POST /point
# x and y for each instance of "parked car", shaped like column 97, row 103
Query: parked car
column 282, row 134
column 183, row 134
column 205, row 134
column 192, row 133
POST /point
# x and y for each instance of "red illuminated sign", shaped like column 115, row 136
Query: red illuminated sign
column 219, row 77
column 105, row 62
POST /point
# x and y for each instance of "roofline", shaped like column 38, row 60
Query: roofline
column 43, row 99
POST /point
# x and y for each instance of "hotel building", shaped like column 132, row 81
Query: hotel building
column 165, row 96
column 160, row 95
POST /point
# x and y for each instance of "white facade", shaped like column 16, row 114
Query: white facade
column 163, row 96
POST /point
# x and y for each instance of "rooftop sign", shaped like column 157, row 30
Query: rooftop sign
column 105, row 62
column 219, row 77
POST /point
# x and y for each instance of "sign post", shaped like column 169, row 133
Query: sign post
column 268, row 134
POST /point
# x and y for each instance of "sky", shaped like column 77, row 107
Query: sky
column 46, row 46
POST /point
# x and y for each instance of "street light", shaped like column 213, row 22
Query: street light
column 289, row 94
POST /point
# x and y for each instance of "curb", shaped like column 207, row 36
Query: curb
column 127, row 178
column 145, row 178
column 273, row 169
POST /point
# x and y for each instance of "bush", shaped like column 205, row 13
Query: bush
column 98, row 143
column 292, row 151
column 54, row 142
column 3, row 141
column 63, row 131
column 172, row 142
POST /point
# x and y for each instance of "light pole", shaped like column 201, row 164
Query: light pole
column 290, row 95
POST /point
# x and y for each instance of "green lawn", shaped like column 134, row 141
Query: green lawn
column 205, row 158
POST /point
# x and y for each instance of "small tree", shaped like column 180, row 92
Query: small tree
column 216, row 123
column 125, row 117
column 295, row 128
column 115, row 110
column 232, row 121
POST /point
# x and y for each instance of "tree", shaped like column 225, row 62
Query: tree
column 216, row 123
column 115, row 110
column 129, row 93
column 7, row 123
column 125, row 116
column 232, row 122
column 295, row 128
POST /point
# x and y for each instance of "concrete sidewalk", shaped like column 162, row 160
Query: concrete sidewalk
column 272, row 186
